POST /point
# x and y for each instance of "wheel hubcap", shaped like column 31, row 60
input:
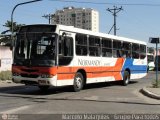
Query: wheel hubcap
column 127, row 80
column 78, row 82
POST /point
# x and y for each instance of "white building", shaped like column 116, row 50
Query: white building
column 5, row 58
column 85, row 18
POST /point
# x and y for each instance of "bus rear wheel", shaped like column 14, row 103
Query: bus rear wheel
column 78, row 82
column 126, row 78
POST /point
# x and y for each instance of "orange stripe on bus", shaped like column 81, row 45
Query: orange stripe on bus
column 68, row 72
column 92, row 72
column 37, row 70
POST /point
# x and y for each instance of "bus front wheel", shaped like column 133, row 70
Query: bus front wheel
column 126, row 78
column 78, row 82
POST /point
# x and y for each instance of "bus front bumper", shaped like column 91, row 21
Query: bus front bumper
column 35, row 81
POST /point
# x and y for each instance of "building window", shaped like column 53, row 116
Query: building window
column 73, row 15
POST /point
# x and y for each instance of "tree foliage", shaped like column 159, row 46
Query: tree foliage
column 6, row 38
column 16, row 26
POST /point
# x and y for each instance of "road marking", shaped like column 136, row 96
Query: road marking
column 91, row 98
column 11, row 111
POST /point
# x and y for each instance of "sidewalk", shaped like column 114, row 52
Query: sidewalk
column 151, row 92
column 7, row 83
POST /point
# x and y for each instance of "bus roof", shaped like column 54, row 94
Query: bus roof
column 83, row 31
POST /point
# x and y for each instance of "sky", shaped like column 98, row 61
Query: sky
column 140, row 19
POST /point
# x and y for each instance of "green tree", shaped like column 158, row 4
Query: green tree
column 6, row 38
column 8, row 24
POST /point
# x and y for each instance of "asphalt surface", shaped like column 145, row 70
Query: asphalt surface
column 96, row 98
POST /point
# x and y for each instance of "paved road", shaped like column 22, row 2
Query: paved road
column 96, row 98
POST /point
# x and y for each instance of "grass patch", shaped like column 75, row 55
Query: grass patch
column 5, row 75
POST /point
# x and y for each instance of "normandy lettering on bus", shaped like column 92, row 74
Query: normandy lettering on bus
column 88, row 62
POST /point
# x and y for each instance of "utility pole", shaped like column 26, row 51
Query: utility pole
column 12, row 21
column 114, row 11
column 49, row 17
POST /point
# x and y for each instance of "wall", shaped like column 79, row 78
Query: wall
column 5, row 58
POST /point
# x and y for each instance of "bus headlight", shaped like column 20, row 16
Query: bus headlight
column 46, row 76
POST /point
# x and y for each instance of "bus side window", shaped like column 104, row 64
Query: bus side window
column 94, row 46
column 126, row 49
column 66, row 46
column 65, row 50
column 106, row 47
column 119, row 53
column 81, row 44
column 117, row 50
column 135, row 51
column 142, row 51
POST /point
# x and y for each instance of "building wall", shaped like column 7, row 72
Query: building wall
column 5, row 58
column 95, row 21
column 85, row 18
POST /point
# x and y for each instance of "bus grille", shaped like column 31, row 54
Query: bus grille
column 29, row 82
column 30, row 75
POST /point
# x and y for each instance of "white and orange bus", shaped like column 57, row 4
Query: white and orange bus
column 58, row 55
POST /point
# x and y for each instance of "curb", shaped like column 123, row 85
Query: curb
column 147, row 93
column 6, row 81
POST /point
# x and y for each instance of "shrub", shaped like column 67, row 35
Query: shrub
column 5, row 75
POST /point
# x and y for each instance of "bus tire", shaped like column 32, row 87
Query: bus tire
column 78, row 82
column 126, row 78
column 43, row 88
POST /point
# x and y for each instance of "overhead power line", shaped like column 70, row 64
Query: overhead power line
column 108, row 3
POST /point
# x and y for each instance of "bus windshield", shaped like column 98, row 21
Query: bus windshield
column 35, row 49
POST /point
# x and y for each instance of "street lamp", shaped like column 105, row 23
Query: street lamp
column 13, row 12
